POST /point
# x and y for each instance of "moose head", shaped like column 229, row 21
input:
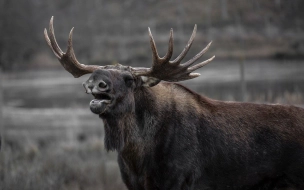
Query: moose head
column 113, row 85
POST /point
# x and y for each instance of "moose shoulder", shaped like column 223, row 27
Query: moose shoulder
column 169, row 137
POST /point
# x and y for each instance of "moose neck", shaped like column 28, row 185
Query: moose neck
column 120, row 130
column 161, row 102
column 166, row 104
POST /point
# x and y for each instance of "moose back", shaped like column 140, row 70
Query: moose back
column 169, row 137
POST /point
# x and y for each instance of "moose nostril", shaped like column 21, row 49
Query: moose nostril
column 91, row 86
column 102, row 84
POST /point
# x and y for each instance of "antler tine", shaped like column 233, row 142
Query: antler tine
column 199, row 65
column 186, row 49
column 70, row 50
column 191, row 61
column 68, row 60
column 54, row 43
column 46, row 36
column 70, row 53
column 187, row 77
column 153, row 47
column 168, row 56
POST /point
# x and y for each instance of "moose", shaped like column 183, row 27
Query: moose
column 169, row 137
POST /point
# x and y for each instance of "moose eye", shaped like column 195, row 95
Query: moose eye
column 128, row 80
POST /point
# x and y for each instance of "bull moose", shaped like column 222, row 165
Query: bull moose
column 169, row 137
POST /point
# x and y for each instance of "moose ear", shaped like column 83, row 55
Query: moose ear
column 149, row 81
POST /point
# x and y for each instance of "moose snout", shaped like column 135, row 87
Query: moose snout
column 94, row 87
column 88, row 87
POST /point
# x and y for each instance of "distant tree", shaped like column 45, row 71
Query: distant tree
column 17, row 37
column 224, row 10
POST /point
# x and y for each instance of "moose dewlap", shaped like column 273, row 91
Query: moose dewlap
column 169, row 137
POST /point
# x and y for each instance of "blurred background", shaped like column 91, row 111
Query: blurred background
column 51, row 140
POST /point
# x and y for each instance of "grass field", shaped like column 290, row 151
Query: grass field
column 53, row 141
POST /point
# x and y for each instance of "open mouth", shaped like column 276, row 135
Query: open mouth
column 103, row 97
column 100, row 103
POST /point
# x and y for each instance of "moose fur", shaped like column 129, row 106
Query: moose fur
column 169, row 137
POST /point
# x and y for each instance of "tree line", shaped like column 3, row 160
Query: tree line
column 111, row 31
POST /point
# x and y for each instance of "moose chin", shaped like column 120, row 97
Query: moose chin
column 169, row 137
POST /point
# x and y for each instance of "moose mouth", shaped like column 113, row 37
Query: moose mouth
column 100, row 103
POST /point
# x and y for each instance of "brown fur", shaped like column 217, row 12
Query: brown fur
column 169, row 137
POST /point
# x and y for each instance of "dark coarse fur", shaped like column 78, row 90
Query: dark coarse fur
column 169, row 137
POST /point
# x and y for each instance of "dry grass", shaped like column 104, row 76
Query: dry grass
column 58, row 165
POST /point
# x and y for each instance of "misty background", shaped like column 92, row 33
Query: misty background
column 51, row 140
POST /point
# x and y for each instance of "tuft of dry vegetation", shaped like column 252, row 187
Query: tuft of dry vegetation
column 58, row 165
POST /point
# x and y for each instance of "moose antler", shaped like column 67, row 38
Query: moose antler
column 173, row 71
column 68, row 60
column 162, row 68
